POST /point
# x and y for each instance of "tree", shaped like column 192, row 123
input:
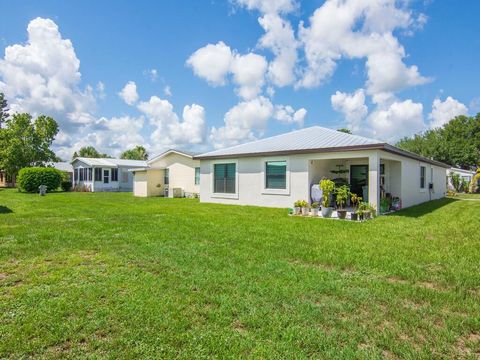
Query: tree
column 456, row 143
column 89, row 152
column 25, row 143
column 3, row 110
column 137, row 153
column 345, row 130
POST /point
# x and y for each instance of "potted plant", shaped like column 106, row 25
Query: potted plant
column 359, row 214
column 327, row 186
column 342, row 193
column 305, row 208
column 297, row 207
column 315, row 206
column 370, row 211
column 355, row 199
column 363, row 212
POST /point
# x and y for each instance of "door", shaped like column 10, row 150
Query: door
column 359, row 180
column 105, row 176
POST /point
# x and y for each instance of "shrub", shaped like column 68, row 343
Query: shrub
column 327, row 186
column 29, row 179
column 66, row 185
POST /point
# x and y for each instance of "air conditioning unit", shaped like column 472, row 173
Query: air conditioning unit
column 178, row 193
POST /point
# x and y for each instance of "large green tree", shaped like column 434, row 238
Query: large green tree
column 89, row 152
column 456, row 143
column 24, row 142
column 3, row 110
column 137, row 153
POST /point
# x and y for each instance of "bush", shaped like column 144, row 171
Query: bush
column 29, row 179
column 66, row 185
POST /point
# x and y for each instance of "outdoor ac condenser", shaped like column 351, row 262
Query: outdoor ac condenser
column 178, row 193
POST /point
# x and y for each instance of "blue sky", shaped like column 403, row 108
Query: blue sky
column 436, row 75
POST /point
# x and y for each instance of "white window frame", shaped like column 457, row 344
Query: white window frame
column 424, row 189
column 263, row 177
column 237, row 185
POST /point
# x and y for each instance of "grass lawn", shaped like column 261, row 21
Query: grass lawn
column 109, row 275
column 467, row 196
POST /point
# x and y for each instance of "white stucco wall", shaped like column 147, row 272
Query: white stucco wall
column 302, row 171
column 146, row 183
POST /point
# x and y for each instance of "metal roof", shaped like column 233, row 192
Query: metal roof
column 312, row 138
column 111, row 162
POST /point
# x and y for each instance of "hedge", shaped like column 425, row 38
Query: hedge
column 30, row 178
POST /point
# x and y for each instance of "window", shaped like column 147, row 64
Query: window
column 197, row 176
column 105, row 176
column 422, row 177
column 89, row 174
column 276, row 175
column 81, row 174
column 114, row 175
column 166, row 176
column 224, row 178
column 98, row 174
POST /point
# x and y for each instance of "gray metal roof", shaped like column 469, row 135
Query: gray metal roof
column 111, row 162
column 312, row 138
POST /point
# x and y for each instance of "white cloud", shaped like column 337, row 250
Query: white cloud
column 352, row 106
column 167, row 91
column 288, row 115
column 101, row 90
column 249, row 74
column 269, row 6
column 43, row 77
column 242, row 122
column 212, row 63
column 169, row 130
column 444, row 111
column 152, row 74
column 396, row 120
column 355, row 29
column 280, row 39
column 129, row 93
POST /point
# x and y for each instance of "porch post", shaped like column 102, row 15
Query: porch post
column 374, row 180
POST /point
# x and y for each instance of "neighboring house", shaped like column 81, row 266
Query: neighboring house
column 104, row 174
column 466, row 175
column 63, row 166
column 279, row 170
column 6, row 180
column 172, row 173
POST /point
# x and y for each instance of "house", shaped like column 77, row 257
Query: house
column 173, row 173
column 279, row 170
column 6, row 180
column 465, row 175
column 104, row 174
column 63, row 166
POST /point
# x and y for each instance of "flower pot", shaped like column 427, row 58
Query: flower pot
column 297, row 210
column 327, row 212
column 360, row 217
column 354, row 216
column 305, row 211
column 342, row 214
column 314, row 211
column 367, row 215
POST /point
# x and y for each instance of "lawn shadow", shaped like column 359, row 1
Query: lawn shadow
column 5, row 210
column 424, row 208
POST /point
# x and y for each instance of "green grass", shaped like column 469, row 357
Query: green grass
column 467, row 196
column 107, row 275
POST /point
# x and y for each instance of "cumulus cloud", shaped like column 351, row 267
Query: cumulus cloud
column 169, row 129
column 269, row 6
column 288, row 115
column 212, row 63
column 129, row 93
column 43, row 77
column 357, row 30
column 167, row 91
column 396, row 120
column 444, row 111
column 249, row 74
column 352, row 106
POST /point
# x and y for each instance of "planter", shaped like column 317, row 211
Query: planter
column 360, row 217
column 305, row 211
column 354, row 216
column 342, row 214
column 367, row 215
column 327, row 212
column 314, row 211
column 297, row 210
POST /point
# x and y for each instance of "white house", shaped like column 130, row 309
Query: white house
column 104, row 174
column 279, row 170
column 173, row 173
column 465, row 175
